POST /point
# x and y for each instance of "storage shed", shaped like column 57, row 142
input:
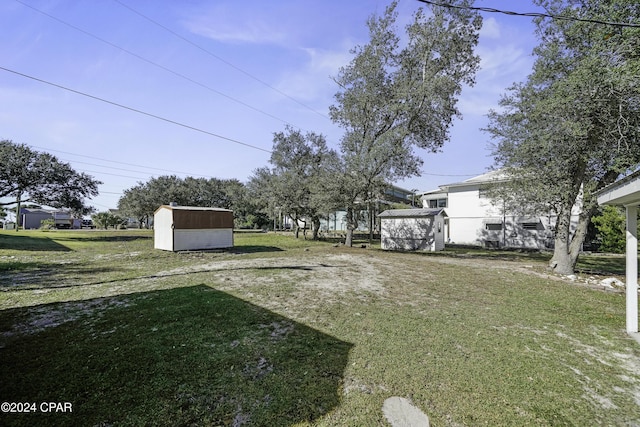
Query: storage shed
column 412, row 229
column 184, row 228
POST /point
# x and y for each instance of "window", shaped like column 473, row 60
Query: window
column 530, row 225
column 493, row 227
column 438, row 203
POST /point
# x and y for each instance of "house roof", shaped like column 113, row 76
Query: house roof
column 411, row 213
column 625, row 191
column 192, row 208
column 42, row 211
column 437, row 192
column 491, row 176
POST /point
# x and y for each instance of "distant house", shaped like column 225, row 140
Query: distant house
column 31, row 218
column 337, row 221
column 413, row 229
column 474, row 219
column 181, row 228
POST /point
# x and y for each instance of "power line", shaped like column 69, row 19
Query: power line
column 121, row 163
column 530, row 14
column 130, row 170
column 155, row 64
column 208, row 52
column 111, row 174
column 135, row 110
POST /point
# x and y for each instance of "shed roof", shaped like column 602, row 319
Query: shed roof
column 625, row 191
column 412, row 213
column 192, row 208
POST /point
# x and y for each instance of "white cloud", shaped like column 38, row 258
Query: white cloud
column 501, row 65
column 313, row 80
column 249, row 32
column 490, row 28
column 504, row 61
column 227, row 25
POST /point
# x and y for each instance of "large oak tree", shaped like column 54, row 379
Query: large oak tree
column 399, row 94
column 574, row 125
column 297, row 182
column 27, row 175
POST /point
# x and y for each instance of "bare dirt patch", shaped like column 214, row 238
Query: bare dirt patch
column 44, row 317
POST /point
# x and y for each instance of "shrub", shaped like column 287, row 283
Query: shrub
column 610, row 226
column 48, row 224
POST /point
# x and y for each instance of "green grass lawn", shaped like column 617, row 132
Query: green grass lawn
column 285, row 332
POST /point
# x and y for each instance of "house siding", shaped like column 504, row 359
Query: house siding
column 469, row 212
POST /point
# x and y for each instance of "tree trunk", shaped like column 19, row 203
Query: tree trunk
column 348, row 241
column 315, row 225
column 567, row 247
column 18, row 211
column 565, row 256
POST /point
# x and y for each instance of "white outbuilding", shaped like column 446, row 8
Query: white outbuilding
column 413, row 229
column 184, row 228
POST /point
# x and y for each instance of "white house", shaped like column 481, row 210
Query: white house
column 180, row 228
column 412, row 229
column 475, row 219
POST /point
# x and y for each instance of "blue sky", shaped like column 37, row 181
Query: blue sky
column 238, row 69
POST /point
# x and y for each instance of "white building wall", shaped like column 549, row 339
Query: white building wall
column 163, row 230
column 467, row 213
column 411, row 234
column 474, row 220
column 197, row 239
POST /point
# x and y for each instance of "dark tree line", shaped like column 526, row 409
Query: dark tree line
column 142, row 200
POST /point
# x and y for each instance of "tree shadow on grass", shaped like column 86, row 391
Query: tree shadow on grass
column 28, row 243
column 114, row 237
column 43, row 276
column 250, row 249
column 185, row 356
column 601, row 265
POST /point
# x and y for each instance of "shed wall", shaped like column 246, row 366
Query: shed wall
column 185, row 240
column 412, row 234
column 198, row 219
column 162, row 230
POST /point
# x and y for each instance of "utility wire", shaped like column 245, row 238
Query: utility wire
column 121, row 163
column 135, row 110
column 111, row 174
column 530, row 14
column 131, row 170
column 155, row 64
column 208, row 52
column 107, row 167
